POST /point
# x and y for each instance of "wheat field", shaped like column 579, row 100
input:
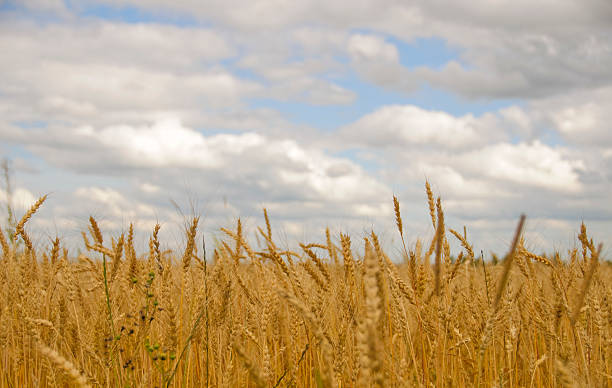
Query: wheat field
column 328, row 315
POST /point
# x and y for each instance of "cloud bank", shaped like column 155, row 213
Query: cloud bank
column 319, row 111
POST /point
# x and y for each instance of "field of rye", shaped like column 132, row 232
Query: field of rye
column 330, row 315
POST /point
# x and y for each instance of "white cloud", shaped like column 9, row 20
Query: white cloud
column 168, row 143
column 372, row 48
column 330, row 179
column 105, row 196
column 244, row 161
column 407, row 125
column 166, row 160
column 149, row 188
column 573, row 120
column 102, row 73
column 22, row 199
column 477, row 165
column 125, row 87
column 115, row 204
column 518, row 121
column 533, row 164
column 462, row 188
column 580, row 118
column 102, row 94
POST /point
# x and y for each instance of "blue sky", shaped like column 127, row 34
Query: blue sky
column 319, row 111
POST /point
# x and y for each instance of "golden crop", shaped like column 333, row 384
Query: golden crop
column 327, row 316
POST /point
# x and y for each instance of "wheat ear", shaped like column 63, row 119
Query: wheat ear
column 439, row 239
column 586, row 283
column 64, row 365
column 19, row 228
column 5, row 246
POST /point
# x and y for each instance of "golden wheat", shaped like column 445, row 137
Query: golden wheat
column 333, row 316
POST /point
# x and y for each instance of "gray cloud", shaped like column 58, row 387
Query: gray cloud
column 507, row 50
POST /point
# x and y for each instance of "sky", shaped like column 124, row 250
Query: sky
column 320, row 111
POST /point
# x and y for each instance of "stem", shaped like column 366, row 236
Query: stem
column 110, row 316
column 484, row 269
column 298, row 363
column 203, row 313
column 108, row 306
column 206, row 303
column 187, row 342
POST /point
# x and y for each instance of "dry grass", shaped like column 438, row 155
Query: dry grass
column 260, row 316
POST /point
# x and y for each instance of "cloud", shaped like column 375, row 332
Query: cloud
column 464, row 190
column 507, row 50
column 21, row 199
column 169, row 144
column 53, row 7
column 378, row 62
column 115, row 88
column 580, row 118
column 102, row 94
column 477, row 146
column 152, row 46
column 304, row 187
column 533, row 164
column 248, row 165
column 122, row 117
column 510, row 51
column 106, row 72
column 478, row 164
column 149, row 188
column 408, row 125
column 311, row 90
column 138, row 170
column 372, row 48
column 115, row 204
